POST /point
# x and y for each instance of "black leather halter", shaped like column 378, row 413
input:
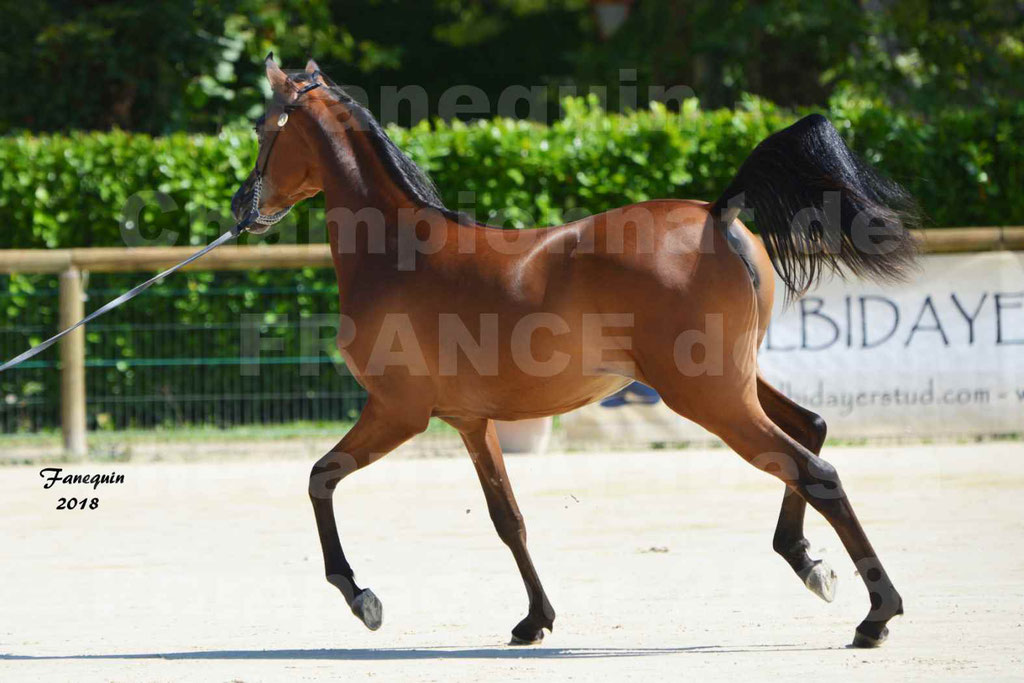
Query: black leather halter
column 286, row 109
column 278, row 119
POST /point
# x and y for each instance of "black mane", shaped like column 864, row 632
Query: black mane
column 410, row 177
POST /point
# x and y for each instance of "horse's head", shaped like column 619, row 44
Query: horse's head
column 286, row 170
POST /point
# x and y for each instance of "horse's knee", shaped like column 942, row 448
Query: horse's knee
column 327, row 472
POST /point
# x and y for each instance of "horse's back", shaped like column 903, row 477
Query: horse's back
column 610, row 294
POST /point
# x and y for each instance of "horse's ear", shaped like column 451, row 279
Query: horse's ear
column 315, row 74
column 279, row 81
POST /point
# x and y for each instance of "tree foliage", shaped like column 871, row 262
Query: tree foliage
column 159, row 66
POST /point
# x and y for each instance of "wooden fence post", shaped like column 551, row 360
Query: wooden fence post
column 72, row 358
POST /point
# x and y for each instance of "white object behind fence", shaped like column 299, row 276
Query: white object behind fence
column 941, row 355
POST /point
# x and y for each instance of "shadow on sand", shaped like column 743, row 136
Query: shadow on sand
column 414, row 653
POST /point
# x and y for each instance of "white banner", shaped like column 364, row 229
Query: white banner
column 941, row 355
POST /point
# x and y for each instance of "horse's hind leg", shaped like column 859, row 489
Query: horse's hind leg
column 739, row 419
column 376, row 433
column 749, row 431
column 808, row 429
column 481, row 441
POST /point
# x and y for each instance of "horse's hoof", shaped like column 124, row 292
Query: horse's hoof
column 821, row 580
column 367, row 607
column 527, row 632
column 867, row 640
column 527, row 640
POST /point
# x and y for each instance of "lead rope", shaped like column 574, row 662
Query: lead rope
column 127, row 296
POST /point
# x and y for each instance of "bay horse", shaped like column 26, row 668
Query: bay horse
column 508, row 324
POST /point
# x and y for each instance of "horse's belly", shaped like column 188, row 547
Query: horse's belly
column 536, row 397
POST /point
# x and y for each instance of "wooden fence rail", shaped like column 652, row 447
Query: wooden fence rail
column 70, row 263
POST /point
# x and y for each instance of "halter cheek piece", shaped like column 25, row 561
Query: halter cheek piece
column 257, row 189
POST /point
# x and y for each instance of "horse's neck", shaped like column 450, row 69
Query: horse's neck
column 355, row 177
column 364, row 206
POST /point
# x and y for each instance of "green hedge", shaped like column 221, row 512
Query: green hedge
column 64, row 191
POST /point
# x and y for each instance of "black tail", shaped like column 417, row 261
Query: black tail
column 819, row 208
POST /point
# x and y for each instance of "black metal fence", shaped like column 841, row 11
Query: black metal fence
column 212, row 349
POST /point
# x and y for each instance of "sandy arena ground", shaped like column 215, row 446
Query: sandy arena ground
column 659, row 565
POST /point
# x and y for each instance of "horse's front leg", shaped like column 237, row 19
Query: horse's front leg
column 481, row 440
column 377, row 432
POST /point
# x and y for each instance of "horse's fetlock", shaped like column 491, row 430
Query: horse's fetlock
column 785, row 545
